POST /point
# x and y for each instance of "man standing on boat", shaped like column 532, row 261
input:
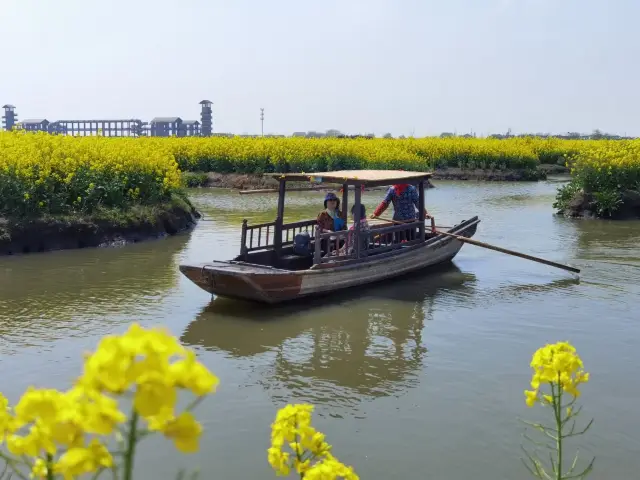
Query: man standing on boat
column 406, row 201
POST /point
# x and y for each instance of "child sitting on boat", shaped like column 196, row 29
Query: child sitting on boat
column 349, row 247
column 329, row 220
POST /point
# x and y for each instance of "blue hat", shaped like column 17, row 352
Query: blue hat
column 331, row 196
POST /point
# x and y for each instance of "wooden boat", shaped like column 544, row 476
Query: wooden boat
column 269, row 270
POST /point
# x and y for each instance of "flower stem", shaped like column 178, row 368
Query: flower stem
column 49, row 466
column 131, row 446
column 297, row 441
column 557, row 409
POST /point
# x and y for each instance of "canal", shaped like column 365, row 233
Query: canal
column 419, row 377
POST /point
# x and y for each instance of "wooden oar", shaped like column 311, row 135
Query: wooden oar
column 275, row 190
column 497, row 249
column 402, row 223
column 510, row 252
column 319, row 188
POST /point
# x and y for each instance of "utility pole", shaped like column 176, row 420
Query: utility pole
column 262, row 121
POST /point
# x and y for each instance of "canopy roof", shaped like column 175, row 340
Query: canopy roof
column 356, row 177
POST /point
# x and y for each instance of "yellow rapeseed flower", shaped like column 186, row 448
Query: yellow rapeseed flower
column 41, row 404
column 98, row 413
column 155, row 392
column 52, row 171
column 6, row 419
column 184, row 430
column 559, row 366
column 39, row 469
column 83, row 460
column 330, row 469
column 188, row 373
column 310, row 454
column 279, row 460
column 37, row 442
column 47, row 420
column 66, row 433
column 152, row 364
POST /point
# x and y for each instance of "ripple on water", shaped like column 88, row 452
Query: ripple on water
column 440, row 359
column 53, row 296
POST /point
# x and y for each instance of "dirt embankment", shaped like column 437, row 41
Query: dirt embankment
column 554, row 169
column 585, row 205
column 107, row 228
column 490, row 175
column 257, row 181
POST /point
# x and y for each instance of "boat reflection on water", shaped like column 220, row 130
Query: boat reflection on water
column 356, row 345
column 351, row 347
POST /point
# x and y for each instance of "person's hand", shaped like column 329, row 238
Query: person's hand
column 373, row 216
column 427, row 216
column 334, row 253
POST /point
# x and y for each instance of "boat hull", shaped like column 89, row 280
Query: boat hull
column 272, row 285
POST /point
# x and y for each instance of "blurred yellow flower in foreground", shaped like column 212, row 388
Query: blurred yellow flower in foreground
column 310, row 455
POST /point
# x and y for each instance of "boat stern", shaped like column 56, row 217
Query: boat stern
column 198, row 275
column 243, row 281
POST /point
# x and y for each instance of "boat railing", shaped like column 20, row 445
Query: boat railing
column 257, row 237
column 290, row 230
column 384, row 239
column 330, row 242
column 264, row 235
column 337, row 245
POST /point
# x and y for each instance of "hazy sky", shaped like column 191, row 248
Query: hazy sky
column 404, row 66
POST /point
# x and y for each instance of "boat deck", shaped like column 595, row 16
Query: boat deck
column 269, row 284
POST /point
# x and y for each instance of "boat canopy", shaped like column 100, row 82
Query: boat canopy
column 356, row 177
column 279, row 238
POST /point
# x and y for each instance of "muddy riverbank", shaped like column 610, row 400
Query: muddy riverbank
column 258, row 181
column 626, row 206
column 107, row 228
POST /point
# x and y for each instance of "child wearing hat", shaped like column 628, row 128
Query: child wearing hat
column 330, row 219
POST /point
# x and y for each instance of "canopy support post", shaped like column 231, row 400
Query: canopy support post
column 277, row 237
column 243, row 240
column 317, row 253
column 345, row 202
column 356, row 219
column 421, row 208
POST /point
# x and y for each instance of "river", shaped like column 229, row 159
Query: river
column 420, row 377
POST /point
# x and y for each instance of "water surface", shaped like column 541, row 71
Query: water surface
column 418, row 377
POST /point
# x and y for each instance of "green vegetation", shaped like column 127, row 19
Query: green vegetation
column 194, row 179
column 104, row 226
column 605, row 181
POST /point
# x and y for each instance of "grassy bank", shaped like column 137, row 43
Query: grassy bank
column 605, row 181
column 103, row 227
column 61, row 192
